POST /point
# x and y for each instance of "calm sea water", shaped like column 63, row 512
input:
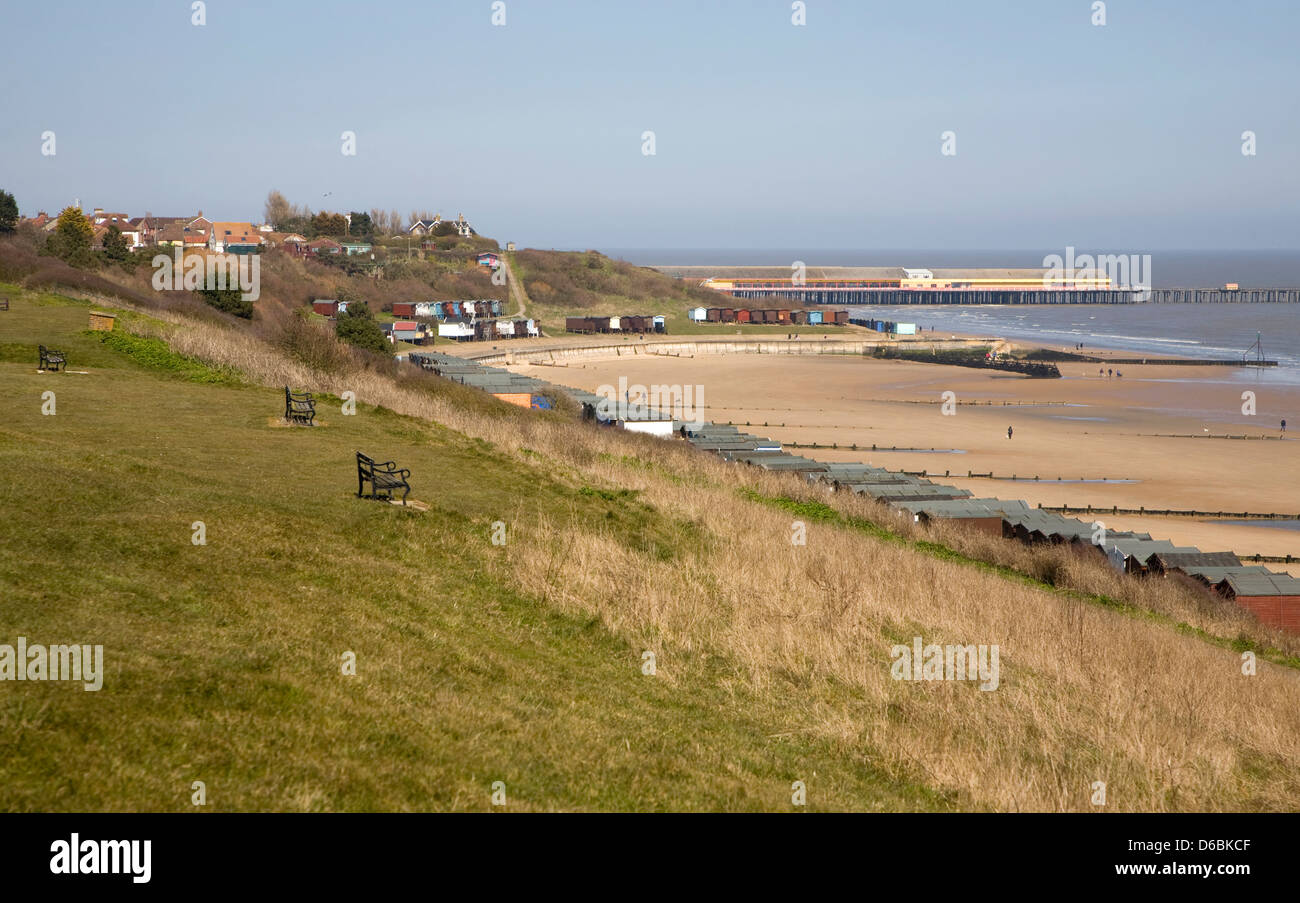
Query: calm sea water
column 1219, row 331
column 1178, row 330
column 1169, row 269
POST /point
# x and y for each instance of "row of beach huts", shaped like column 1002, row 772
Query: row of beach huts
column 459, row 329
column 1274, row 598
column 634, row 324
column 888, row 326
column 776, row 316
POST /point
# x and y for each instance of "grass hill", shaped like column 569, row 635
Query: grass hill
column 563, row 284
column 524, row 663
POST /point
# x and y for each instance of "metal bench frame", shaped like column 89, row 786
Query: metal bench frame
column 51, row 359
column 383, row 479
column 299, row 407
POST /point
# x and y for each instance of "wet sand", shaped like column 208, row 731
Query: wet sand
column 1082, row 426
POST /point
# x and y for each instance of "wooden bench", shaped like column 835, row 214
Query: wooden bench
column 383, row 479
column 51, row 359
column 299, row 407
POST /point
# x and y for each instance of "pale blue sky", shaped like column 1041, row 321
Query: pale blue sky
column 767, row 135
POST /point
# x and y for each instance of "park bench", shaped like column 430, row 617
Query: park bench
column 51, row 359
column 4, row 303
column 299, row 407
column 383, row 479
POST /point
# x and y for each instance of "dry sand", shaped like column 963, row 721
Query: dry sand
column 1099, row 428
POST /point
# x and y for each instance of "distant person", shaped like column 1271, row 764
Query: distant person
column 1110, row 373
column 1008, row 432
column 1101, row 372
column 1119, row 375
column 1283, row 427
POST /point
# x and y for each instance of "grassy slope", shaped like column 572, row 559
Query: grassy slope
column 616, row 287
column 223, row 660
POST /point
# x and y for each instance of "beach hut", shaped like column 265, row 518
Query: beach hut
column 456, row 328
column 814, row 318
column 403, row 309
column 660, row 325
column 1273, row 598
column 615, row 324
column 325, row 308
column 714, row 314
column 698, row 314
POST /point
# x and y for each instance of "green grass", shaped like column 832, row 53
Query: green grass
column 223, row 660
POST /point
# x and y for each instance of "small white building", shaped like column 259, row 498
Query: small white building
column 456, row 329
column 699, row 314
column 661, row 428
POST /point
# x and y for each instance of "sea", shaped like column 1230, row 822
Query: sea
column 1219, row 331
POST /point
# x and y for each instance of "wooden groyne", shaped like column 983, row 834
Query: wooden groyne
column 1170, row 512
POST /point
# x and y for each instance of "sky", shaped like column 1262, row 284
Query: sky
column 1125, row 137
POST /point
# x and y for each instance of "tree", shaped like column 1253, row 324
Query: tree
column 116, row 247
column 278, row 210
column 72, row 237
column 329, row 224
column 361, row 225
column 8, row 212
column 395, row 222
column 357, row 326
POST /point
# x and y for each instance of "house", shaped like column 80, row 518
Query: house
column 182, row 236
column 426, row 226
column 324, row 246
column 489, row 259
column 235, row 238
column 149, row 225
column 326, row 308
column 353, row 248
column 276, row 239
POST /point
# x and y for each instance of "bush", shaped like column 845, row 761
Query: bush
column 357, row 327
column 229, row 300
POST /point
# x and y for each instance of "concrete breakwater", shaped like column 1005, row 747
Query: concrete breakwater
column 562, row 354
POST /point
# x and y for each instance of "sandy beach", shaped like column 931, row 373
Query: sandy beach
column 1084, row 426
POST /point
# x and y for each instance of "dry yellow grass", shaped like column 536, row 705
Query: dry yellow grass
column 1168, row 720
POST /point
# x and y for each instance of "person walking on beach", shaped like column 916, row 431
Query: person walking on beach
column 1008, row 432
column 1284, row 426
column 1110, row 373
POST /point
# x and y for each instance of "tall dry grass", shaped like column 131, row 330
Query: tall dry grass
column 1167, row 720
